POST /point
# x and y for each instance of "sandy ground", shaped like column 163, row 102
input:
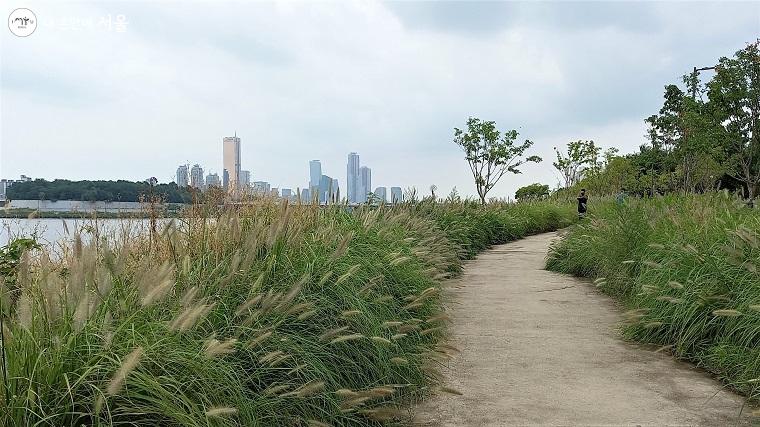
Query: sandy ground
column 540, row 348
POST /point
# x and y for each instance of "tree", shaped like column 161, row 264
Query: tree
column 532, row 192
column 491, row 153
column 581, row 157
column 734, row 95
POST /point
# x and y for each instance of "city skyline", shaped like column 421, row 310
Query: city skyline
column 319, row 186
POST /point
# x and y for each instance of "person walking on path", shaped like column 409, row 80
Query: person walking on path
column 582, row 202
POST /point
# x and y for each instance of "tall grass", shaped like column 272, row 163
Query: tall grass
column 687, row 268
column 271, row 314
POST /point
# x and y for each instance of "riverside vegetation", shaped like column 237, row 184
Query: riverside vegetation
column 687, row 268
column 270, row 314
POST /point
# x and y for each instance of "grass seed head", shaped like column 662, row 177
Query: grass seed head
column 727, row 313
column 214, row 347
column 127, row 365
column 221, row 412
column 344, row 338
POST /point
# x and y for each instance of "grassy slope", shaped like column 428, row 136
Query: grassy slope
column 270, row 316
column 687, row 267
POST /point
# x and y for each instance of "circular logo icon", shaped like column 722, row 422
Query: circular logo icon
column 22, row 22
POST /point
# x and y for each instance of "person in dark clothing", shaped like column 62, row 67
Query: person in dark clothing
column 582, row 201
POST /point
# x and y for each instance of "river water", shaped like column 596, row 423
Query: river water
column 54, row 232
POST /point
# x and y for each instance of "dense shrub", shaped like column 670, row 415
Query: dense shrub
column 687, row 268
column 267, row 315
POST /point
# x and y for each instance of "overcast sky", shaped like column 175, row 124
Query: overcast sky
column 306, row 80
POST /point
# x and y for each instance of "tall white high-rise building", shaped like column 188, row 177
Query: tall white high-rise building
column 196, row 176
column 352, row 178
column 231, row 162
column 396, row 195
column 365, row 183
column 183, row 176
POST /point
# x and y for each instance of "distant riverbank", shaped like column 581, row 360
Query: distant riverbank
column 83, row 209
column 33, row 213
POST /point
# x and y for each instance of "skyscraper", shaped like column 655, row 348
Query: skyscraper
column 315, row 176
column 212, row 180
column 183, row 177
column 396, row 195
column 231, row 162
column 365, row 183
column 381, row 194
column 352, row 178
column 287, row 193
column 245, row 179
column 196, row 176
column 325, row 189
column 335, row 191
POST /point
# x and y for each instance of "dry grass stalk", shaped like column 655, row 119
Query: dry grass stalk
column 381, row 340
column 276, row 389
column 305, row 315
column 220, row 412
column 214, row 347
column 297, row 368
column 346, row 393
column 350, row 313
column 727, row 313
column 345, row 338
column 270, row 356
column 329, row 334
column 325, row 277
column 127, row 365
column 156, row 284
column 348, row 274
column 400, row 361
column 391, row 324
column 307, row 389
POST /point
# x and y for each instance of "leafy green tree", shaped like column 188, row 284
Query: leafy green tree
column 532, row 192
column 581, row 157
column 125, row 191
column 734, row 95
column 491, row 153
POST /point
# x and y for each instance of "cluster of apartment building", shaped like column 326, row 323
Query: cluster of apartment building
column 321, row 188
column 7, row 183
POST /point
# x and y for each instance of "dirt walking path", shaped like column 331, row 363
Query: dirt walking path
column 540, row 348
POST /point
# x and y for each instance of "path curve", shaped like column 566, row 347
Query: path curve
column 541, row 348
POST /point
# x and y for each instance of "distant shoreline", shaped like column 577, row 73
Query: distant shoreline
column 34, row 214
